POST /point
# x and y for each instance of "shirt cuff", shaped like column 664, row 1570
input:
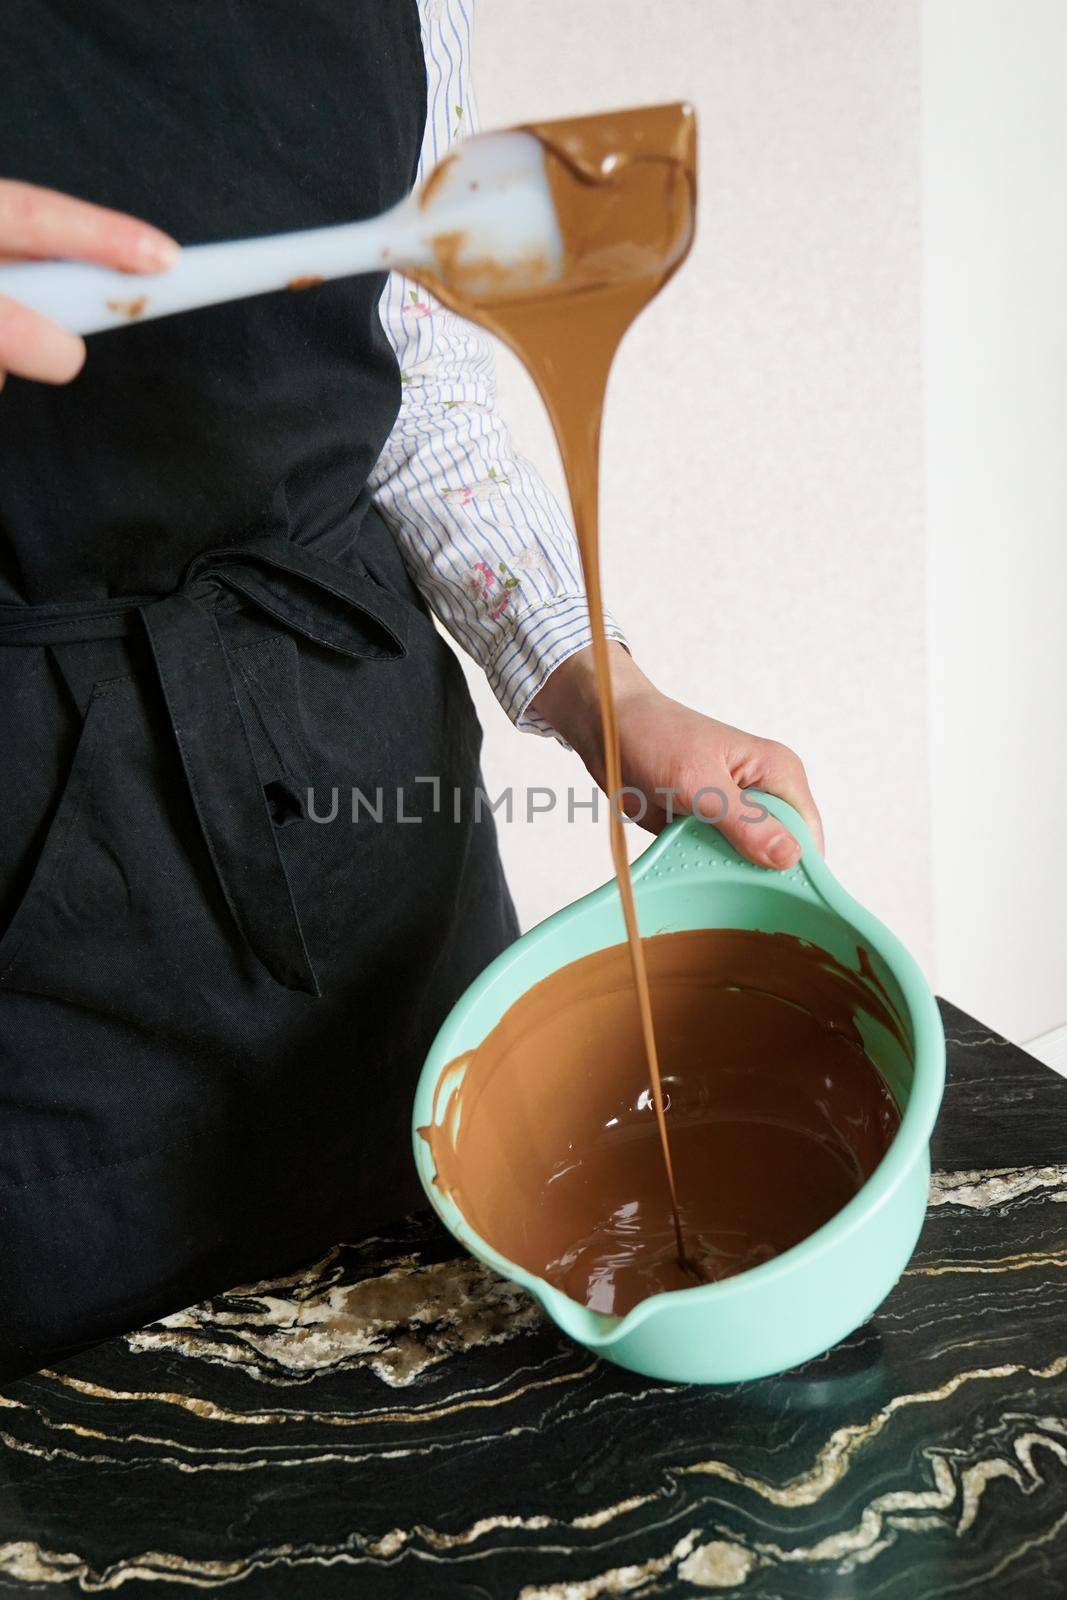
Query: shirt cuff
column 539, row 641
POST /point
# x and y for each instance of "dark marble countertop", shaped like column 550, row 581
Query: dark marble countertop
column 398, row 1422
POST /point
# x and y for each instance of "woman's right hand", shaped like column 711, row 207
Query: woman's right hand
column 39, row 223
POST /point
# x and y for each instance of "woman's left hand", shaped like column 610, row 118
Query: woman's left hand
column 677, row 760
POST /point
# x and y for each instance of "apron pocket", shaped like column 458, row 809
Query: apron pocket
column 124, row 912
column 48, row 874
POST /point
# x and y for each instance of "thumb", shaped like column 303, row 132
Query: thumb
column 749, row 826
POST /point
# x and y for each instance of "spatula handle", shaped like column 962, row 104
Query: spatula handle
column 88, row 299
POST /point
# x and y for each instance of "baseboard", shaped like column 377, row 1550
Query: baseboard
column 1051, row 1048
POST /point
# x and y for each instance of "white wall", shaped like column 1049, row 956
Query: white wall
column 763, row 470
column 995, row 228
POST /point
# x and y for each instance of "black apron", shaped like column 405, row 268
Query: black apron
column 214, row 1007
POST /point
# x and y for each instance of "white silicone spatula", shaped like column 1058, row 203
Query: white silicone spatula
column 490, row 200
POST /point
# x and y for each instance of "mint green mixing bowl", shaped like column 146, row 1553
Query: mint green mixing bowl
column 799, row 1304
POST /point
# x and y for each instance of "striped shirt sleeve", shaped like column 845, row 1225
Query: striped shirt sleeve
column 487, row 544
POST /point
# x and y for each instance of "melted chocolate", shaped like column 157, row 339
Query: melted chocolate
column 624, row 187
column 611, row 1207
column 548, row 1142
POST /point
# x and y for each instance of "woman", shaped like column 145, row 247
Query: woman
column 218, row 551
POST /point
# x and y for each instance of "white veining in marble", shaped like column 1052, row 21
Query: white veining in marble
column 988, row 1188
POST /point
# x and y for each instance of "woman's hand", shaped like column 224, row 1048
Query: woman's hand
column 36, row 223
column 695, row 763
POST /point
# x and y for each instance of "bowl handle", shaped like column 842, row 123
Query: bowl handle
column 713, row 844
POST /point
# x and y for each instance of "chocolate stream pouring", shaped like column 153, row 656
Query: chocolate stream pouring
column 624, row 187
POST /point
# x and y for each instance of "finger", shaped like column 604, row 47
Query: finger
column 656, row 819
column 42, row 223
column 750, row 828
column 782, row 773
column 643, row 812
column 33, row 347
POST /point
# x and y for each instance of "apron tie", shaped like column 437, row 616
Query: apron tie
column 340, row 608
